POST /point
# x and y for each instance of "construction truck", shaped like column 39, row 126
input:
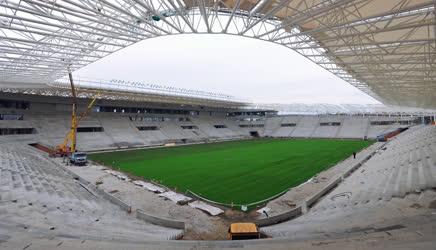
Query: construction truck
column 243, row 231
column 78, row 159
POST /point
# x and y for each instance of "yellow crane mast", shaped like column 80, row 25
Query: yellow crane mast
column 70, row 142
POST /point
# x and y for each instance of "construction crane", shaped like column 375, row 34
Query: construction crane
column 70, row 142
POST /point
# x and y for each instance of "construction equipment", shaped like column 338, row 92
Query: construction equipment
column 70, row 142
column 78, row 158
column 243, row 231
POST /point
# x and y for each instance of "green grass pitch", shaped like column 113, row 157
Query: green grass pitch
column 241, row 172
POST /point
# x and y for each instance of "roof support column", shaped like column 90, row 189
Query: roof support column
column 434, row 25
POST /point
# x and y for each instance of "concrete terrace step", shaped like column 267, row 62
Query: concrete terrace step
column 413, row 177
column 401, row 181
column 390, row 186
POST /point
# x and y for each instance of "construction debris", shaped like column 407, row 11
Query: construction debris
column 214, row 211
column 175, row 196
column 149, row 186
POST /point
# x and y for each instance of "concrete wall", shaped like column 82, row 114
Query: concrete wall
column 160, row 221
column 124, row 206
column 331, row 185
column 280, row 218
column 298, row 211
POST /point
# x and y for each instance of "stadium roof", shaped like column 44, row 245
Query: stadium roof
column 387, row 48
column 131, row 91
column 322, row 108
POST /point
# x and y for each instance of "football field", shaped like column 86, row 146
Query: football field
column 238, row 172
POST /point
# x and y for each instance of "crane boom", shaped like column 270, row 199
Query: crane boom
column 64, row 148
column 74, row 124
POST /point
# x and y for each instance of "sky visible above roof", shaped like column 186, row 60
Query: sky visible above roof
column 260, row 71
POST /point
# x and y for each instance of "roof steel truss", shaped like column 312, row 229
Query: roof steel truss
column 385, row 48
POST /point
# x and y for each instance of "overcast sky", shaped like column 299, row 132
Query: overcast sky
column 260, row 71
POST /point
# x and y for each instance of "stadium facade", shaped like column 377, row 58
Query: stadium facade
column 116, row 124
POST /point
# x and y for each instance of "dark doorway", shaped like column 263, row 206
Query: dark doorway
column 254, row 134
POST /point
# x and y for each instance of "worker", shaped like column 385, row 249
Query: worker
column 354, row 155
column 267, row 216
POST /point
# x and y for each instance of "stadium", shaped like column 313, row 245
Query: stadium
column 175, row 168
